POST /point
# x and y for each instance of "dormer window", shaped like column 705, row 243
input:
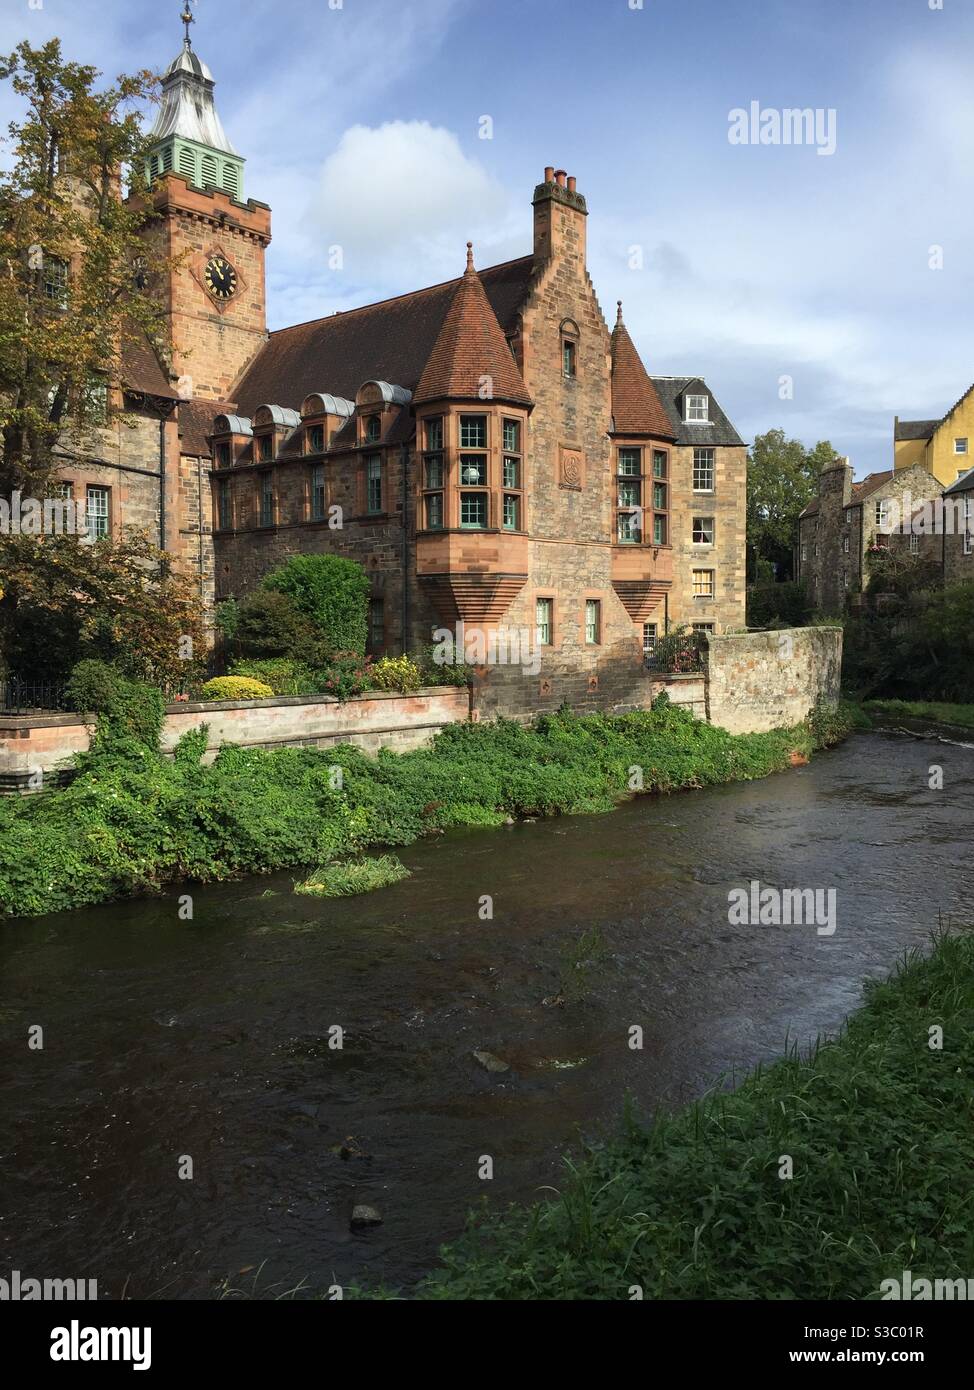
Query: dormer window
column 264, row 446
column 698, row 409
column 314, row 439
column 223, row 455
column 373, row 429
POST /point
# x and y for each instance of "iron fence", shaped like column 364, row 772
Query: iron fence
column 30, row 697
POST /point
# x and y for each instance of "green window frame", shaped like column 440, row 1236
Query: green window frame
column 373, row 484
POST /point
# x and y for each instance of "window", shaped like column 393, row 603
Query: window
column 512, row 512
column 703, row 584
column 377, row 624
column 473, row 431
column 659, row 497
column 97, row 512
column 960, row 446
column 224, row 455
column 703, row 530
column 473, row 470
column 56, row 281
column 473, row 510
column 373, row 484
column 543, row 610
column 845, row 581
column 703, row 470
column 968, row 543
column 267, row 499
column 882, row 511
column 511, row 475
column 512, row 471
column 701, row 627
column 804, row 552
column 264, row 447
column 914, row 545
column 373, row 428
column 698, row 409
column 659, row 463
column 224, row 506
column 433, row 504
column 569, row 359
column 315, row 439
column 434, row 474
column 319, row 503
column 629, row 496
column 593, row 621
column 512, row 436
column 649, row 639
column 848, row 515
column 845, row 544
column 659, row 530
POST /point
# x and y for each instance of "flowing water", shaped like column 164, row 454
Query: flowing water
column 211, row 1038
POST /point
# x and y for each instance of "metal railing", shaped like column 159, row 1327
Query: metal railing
column 30, row 697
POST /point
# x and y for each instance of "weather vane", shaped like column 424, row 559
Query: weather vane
column 187, row 18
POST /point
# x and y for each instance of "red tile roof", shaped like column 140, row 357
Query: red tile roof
column 141, row 368
column 390, row 341
column 870, row 484
column 636, row 408
column 471, row 349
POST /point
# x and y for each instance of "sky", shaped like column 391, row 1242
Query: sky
column 822, row 293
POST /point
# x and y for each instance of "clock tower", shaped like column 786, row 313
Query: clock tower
column 215, row 292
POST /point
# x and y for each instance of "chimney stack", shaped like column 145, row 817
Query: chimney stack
column 559, row 219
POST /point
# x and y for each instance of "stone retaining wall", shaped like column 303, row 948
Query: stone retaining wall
column 766, row 680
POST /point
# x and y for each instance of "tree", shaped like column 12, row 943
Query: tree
column 76, row 273
column 782, row 478
column 63, row 601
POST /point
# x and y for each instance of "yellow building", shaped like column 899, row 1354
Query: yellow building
column 943, row 447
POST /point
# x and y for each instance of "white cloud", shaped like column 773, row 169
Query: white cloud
column 403, row 197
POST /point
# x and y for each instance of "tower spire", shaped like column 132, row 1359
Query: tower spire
column 188, row 19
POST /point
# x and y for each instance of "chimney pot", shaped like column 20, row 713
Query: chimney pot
column 560, row 177
column 549, row 173
column 571, row 183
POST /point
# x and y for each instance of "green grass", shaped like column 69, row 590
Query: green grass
column 879, row 1129
column 358, row 876
column 132, row 820
column 961, row 716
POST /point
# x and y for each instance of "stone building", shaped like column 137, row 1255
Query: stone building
column 847, row 521
column 486, row 448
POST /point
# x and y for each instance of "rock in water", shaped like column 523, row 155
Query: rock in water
column 363, row 1216
column 491, row 1063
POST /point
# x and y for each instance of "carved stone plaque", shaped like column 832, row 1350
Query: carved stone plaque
column 571, row 471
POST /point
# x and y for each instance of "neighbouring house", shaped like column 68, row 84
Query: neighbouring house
column 944, row 447
column 848, row 521
column 943, row 534
column 487, row 448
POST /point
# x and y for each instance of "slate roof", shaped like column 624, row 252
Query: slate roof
column 811, row 510
column 469, row 347
column 389, row 341
column 196, row 422
column 914, row 429
column 636, row 406
column 964, row 484
column 718, row 432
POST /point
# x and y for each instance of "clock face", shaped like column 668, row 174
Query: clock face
column 220, row 278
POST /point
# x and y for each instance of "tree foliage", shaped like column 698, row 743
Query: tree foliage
column 76, row 271
column 782, row 478
column 63, row 601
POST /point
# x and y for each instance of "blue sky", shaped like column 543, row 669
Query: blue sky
column 361, row 127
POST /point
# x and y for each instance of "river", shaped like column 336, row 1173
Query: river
column 211, row 1039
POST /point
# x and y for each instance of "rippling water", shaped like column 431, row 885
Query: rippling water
column 210, row 1038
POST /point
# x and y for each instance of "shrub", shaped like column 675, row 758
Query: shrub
column 782, row 604
column 283, row 676
column 332, row 593
column 93, row 687
column 270, row 625
column 346, row 675
column 396, row 673
column 435, row 672
column 235, row 688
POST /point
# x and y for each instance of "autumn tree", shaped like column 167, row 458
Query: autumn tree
column 75, row 273
column 121, row 601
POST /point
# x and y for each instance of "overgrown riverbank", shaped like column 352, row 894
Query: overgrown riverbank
column 133, row 820
column 954, row 716
column 877, row 1126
